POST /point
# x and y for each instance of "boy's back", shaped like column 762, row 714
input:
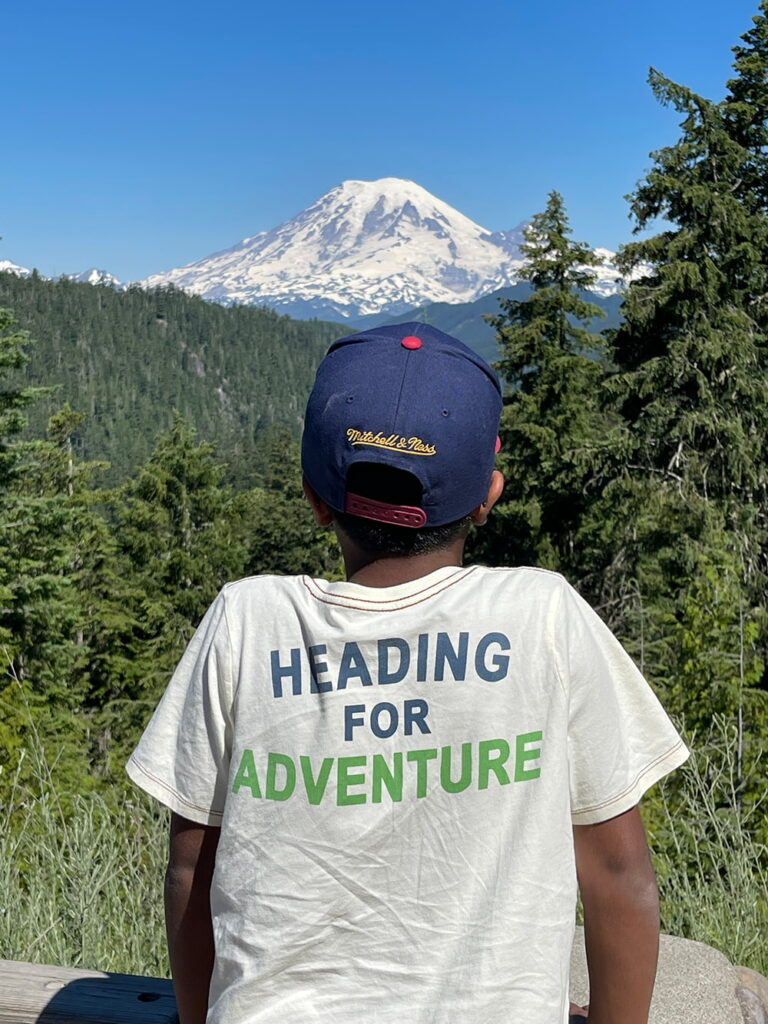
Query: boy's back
column 396, row 769
column 396, row 834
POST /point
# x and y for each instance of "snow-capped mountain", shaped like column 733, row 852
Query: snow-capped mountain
column 609, row 280
column 95, row 276
column 365, row 247
column 92, row 276
column 6, row 266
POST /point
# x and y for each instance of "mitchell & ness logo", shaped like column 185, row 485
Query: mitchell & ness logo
column 394, row 442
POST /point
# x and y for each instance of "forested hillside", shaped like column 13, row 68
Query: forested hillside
column 127, row 359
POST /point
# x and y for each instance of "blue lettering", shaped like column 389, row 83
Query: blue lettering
column 316, row 667
column 353, row 666
column 421, row 663
column 353, row 716
column 446, row 653
column 394, row 675
column 292, row 671
column 384, row 707
column 415, row 713
column 499, row 661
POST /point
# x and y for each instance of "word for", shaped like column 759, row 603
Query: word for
column 366, row 778
column 384, row 718
column 316, row 670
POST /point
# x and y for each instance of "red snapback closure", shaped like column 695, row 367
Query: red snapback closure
column 384, row 512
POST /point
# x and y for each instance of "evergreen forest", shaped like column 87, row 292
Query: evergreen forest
column 635, row 460
column 127, row 359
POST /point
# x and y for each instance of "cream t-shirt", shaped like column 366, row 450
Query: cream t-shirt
column 396, row 773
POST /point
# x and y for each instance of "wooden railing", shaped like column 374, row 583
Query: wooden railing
column 40, row 994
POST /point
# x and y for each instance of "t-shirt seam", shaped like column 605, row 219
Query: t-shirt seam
column 234, row 687
column 633, row 785
column 461, row 574
column 398, row 603
column 172, row 791
column 526, row 568
column 560, row 678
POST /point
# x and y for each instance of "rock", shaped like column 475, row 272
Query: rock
column 757, row 983
column 695, row 984
column 752, row 1008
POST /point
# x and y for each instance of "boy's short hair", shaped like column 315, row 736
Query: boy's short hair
column 386, row 483
column 408, row 397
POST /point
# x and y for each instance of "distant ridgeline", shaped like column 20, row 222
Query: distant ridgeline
column 464, row 320
column 127, row 359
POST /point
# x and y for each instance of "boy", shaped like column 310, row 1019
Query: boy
column 383, row 789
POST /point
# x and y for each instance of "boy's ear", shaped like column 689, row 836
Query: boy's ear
column 496, row 486
column 321, row 512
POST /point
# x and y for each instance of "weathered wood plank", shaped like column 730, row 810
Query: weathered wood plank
column 42, row 994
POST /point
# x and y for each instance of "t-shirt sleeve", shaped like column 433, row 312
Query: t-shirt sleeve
column 620, row 740
column 183, row 756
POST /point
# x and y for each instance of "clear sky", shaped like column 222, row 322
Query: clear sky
column 141, row 136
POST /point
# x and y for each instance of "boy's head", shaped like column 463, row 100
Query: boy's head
column 400, row 435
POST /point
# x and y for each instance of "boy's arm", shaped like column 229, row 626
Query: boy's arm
column 621, row 917
column 191, row 859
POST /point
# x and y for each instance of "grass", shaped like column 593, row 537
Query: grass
column 81, row 887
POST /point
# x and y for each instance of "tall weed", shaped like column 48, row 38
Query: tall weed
column 711, row 865
column 81, row 884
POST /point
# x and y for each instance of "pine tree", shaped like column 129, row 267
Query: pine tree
column 690, row 353
column 180, row 531
column 689, row 505
column 37, row 611
column 280, row 533
column 29, row 528
column 746, row 106
column 14, row 397
column 552, row 425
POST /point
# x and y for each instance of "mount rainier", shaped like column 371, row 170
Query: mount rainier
column 365, row 248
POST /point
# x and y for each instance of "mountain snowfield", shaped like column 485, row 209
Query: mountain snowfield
column 92, row 276
column 8, row 267
column 95, row 276
column 365, row 248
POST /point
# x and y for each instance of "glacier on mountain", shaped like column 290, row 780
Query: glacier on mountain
column 363, row 248
column 8, row 267
column 95, row 276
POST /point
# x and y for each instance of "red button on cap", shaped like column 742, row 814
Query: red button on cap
column 411, row 341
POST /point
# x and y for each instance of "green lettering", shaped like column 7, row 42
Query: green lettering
column 345, row 779
column 246, row 775
column 315, row 787
column 466, row 769
column 393, row 780
column 421, row 757
column 522, row 755
column 289, row 782
column 487, row 763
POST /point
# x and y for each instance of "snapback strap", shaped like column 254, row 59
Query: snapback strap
column 383, row 512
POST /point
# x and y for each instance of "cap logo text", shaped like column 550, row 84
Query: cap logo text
column 393, row 442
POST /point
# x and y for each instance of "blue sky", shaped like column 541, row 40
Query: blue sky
column 141, row 137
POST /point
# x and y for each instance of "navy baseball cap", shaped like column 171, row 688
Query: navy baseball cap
column 411, row 397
